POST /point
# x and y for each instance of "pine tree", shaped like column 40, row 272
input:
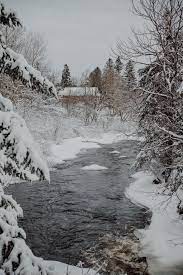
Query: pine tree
column 129, row 76
column 95, row 78
column 66, row 77
column 118, row 65
column 19, row 158
column 108, row 78
column 109, row 65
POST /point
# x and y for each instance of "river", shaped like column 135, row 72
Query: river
column 67, row 216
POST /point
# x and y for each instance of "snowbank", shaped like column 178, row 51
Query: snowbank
column 122, row 157
column 94, row 167
column 115, row 152
column 162, row 241
column 112, row 137
column 69, row 149
column 56, row 268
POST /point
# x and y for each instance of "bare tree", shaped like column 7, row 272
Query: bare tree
column 34, row 49
column 30, row 44
column 160, row 47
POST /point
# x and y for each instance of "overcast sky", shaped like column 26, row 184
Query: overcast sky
column 80, row 33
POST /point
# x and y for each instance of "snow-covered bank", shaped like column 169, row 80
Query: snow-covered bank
column 162, row 241
column 57, row 268
column 68, row 149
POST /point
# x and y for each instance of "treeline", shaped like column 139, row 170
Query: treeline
column 98, row 77
column 115, row 82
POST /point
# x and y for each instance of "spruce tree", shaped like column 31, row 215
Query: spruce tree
column 18, row 158
column 66, row 77
column 95, row 78
column 109, row 65
column 118, row 65
column 129, row 76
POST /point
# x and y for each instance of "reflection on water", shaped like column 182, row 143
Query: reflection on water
column 69, row 215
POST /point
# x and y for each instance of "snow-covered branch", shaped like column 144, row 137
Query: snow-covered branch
column 17, row 67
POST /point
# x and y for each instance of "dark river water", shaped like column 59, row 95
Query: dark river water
column 68, row 215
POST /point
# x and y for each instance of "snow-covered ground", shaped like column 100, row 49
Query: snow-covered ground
column 57, row 268
column 94, row 167
column 162, row 241
column 62, row 136
column 68, row 149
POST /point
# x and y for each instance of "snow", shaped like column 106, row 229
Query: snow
column 114, row 136
column 69, row 149
column 57, row 268
column 94, row 167
column 5, row 104
column 22, row 145
column 162, row 240
column 31, row 76
column 115, row 152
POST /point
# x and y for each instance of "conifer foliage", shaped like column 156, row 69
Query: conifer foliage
column 118, row 65
column 66, row 77
column 95, row 78
column 15, row 64
column 19, row 158
column 129, row 76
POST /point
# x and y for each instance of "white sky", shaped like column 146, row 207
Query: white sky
column 80, row 33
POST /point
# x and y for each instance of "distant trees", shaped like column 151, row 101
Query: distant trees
column 118, row 65
column 114, row 82
column 34, row 49
column 30, row 44
column 108, row 78
column 66, row 77
column 129, row 76
column 95, row 78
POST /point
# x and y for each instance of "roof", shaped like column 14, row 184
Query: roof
column 79, row 91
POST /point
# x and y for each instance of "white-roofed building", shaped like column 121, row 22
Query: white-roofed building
column 79, row 92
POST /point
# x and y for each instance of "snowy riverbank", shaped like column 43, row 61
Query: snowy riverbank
column 57, row 268
column 162, row 240
column 69, row 148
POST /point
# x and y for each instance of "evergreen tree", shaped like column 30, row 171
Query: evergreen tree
column 66, row 77
column 18, row 158
column 129, row 76
column 118, row 65
column 109, row 65
column 95, row 78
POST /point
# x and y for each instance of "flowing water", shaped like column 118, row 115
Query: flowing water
column 68, row 215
